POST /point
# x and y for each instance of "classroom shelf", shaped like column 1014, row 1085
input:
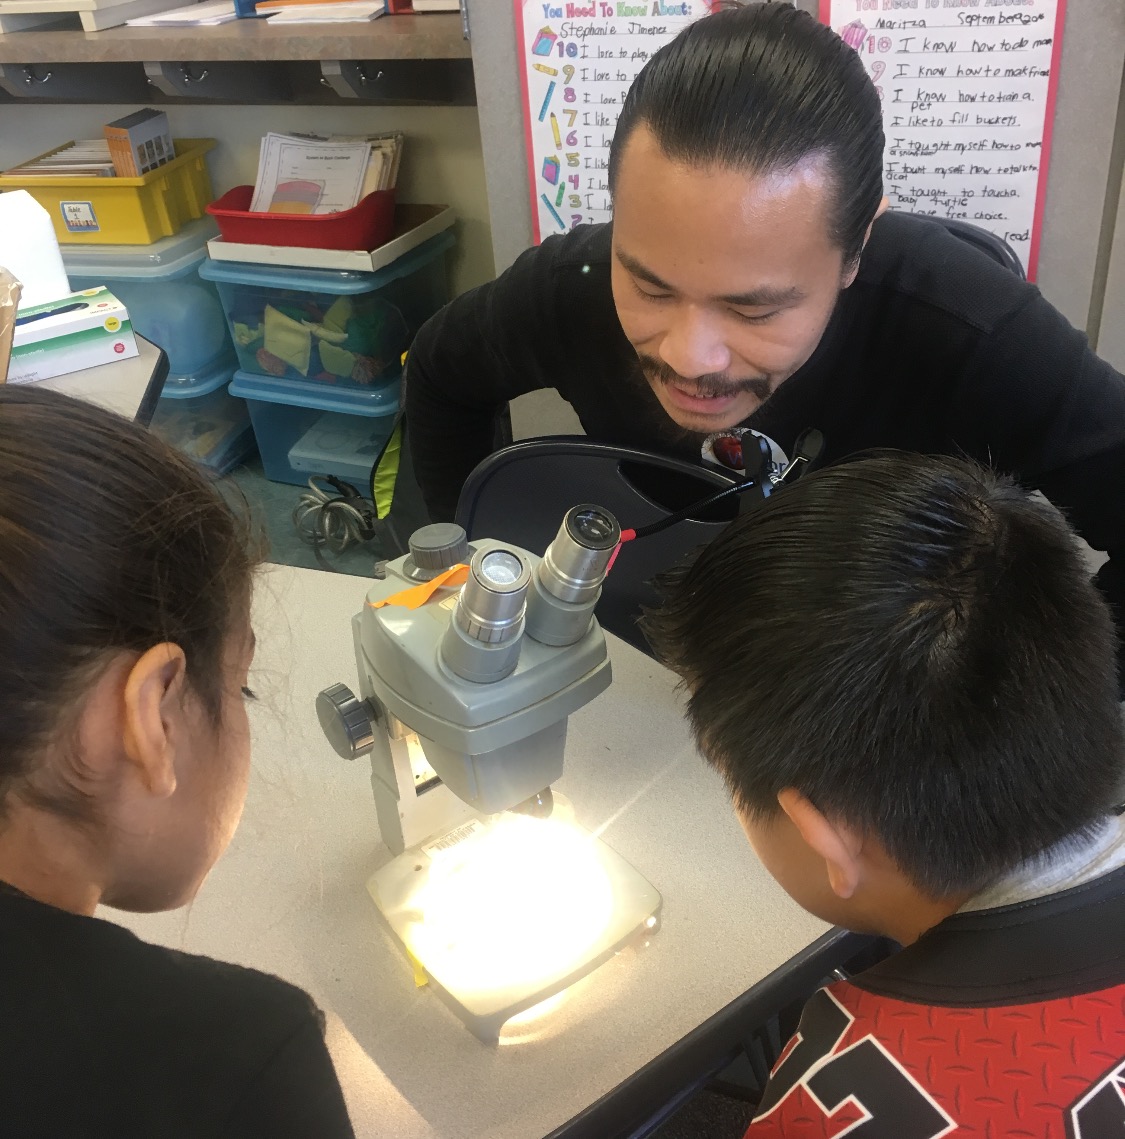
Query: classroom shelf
column 431, row 36
column 393, row 61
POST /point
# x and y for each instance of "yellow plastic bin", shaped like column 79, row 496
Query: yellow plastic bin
column 125, row 211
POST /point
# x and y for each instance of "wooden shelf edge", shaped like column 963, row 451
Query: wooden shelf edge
column 431, row 36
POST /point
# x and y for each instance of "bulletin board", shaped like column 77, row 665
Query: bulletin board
column 968, row 90
column 577, row 61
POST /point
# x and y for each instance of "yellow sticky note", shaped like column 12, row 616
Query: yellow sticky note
column 420, row 976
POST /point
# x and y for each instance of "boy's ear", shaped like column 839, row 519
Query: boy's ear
column 837, row 845
column 153, row 708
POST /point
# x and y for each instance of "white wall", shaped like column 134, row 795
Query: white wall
column 1082, row 144
column 442, row 162
column 1111, row 342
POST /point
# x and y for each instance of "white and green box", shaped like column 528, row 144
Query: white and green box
column 75, row 332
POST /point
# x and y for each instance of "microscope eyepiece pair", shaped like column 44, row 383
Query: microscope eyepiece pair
column 503, row 598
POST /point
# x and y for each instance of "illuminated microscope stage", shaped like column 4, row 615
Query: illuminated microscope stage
column 505, row 913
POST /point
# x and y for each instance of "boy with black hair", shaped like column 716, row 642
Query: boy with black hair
column 903, row 673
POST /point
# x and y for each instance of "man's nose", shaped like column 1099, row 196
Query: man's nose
column 693, row 345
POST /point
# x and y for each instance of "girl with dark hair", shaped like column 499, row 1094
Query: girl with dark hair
column 125, row 585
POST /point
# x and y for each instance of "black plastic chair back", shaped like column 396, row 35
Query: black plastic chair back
column 521, row 493
column 984, row 240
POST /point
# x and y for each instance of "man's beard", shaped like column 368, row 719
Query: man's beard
column 662, row 430
column 710, row 386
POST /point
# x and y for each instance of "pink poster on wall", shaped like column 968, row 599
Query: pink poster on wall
column 577, row 61
column 968, row 90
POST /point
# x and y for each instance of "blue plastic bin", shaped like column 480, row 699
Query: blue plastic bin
column 202, row 419
column 168, row 303
column 330, row 327
column 306, row 429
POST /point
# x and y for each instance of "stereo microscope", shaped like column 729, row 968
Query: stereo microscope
column 470, row 660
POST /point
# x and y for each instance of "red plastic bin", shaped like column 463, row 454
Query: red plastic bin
column 366, row 226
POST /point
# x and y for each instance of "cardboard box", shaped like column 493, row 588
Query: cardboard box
column 139, row 142
column 77, row 331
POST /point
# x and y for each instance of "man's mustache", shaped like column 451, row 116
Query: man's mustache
column 710, row 386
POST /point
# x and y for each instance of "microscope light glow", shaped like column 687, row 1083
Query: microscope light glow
column 518, row 904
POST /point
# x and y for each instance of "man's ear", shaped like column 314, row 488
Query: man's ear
column 837, row 845
column 153, row 716
column 852, row 270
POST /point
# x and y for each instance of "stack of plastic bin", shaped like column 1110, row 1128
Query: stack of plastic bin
column 319, row 355
column 170, row 305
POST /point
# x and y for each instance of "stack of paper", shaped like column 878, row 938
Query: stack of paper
column 383, row 164
column 318, row 174
column 321, row 12
column 88, row 158
column 204, row 15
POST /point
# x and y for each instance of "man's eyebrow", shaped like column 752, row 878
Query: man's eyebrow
column 639, row 270
column 764, row 297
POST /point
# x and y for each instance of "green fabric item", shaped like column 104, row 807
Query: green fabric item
column 336, row 360
column 294, row 312
column 245, row 334
column 287, row 339
column 366, row 331
column 325, row 334
column 384, row 476
column 339, row 314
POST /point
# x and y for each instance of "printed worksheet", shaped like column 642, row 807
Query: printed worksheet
column 306, row 176
column 968, row 91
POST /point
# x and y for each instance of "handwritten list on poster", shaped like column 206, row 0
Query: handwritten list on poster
column 577, row 61
column 968, row 89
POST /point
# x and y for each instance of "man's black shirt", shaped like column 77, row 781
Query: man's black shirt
column 935, row 348
column 102, row 1034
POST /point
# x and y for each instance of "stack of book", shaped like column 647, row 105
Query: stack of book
column 87, row 158
column 205, row 15
column 140, row 142
column 132, row 146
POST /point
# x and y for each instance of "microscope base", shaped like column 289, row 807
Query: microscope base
column 503, row 913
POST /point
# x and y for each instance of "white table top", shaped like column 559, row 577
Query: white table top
column 119, row 386
column 289, row 895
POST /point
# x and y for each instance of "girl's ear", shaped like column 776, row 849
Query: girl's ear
column 153, row 711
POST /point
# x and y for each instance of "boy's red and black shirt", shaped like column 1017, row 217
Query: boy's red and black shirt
column 1007, row 1021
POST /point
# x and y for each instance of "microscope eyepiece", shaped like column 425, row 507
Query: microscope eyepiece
column 491, row 605
column 500, row 570
column 482, row 642
column 574, row 566
column 592, row 527
column 568, row 581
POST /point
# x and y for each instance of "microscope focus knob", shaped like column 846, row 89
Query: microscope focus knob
column 439, row 546
column 346, row 721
